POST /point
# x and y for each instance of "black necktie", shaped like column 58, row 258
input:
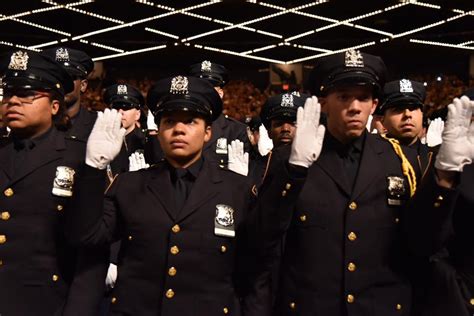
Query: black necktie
column 351, row 164
column 181, row 189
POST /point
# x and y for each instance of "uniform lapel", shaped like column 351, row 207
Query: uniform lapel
column 161, row 187
column 331, row 164
column 50, row 149
column 6, row 164
column 203, row 189
column 370, row 166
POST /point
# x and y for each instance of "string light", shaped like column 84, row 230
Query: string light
column 133, row 52
column 440, row 44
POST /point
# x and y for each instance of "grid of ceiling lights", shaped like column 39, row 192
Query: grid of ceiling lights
column 226, row 25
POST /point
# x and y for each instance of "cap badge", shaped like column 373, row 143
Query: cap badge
column 19, row 61
column 122, row 89
column 296, row 93
column 179, row 85
column 62, row 54
column 405, row 86
column 287, row 100
column 354, row 58
column 206, row 66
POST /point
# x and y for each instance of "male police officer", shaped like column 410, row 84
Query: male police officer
column 402, row 109
column 184, row 223
column 343, row 251
column 79, row 65
column 40, row 273
column 128, row 101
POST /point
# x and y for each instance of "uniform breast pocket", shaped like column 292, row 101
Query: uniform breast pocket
column 310, row 217
column 217, row 255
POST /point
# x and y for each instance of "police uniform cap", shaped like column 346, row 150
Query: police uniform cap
column 401, row 93
column 123, row 94
column 181, row 93
column 31, row 70
column 216, row 74
column 76, row 62
column 282, row 106
column 347, row 68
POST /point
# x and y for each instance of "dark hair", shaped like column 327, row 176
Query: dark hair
column 61, row 120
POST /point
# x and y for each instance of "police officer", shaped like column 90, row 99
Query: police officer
column 128, row 101
column 40, row 273
column 402, row 109
column 184, row 223
column 344, row 253
column 79, row 65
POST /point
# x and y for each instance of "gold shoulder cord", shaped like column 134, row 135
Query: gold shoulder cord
column 407, row 168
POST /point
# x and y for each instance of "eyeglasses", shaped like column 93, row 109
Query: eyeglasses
column 24, row 96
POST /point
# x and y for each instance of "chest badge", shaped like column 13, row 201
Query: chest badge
column 63, row 181
column 224, row 222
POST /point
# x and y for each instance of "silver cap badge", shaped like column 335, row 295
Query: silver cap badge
column 122, row 89
column 405, row 86
column 179, row 85
column 62, row 54
column 206, row 66
column 19, row 60
column 354, row 58
column 287, row 100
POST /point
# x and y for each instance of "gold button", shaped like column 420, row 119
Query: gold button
column 174, row 250
column 130, row 237
column 437, row 204
column 398, row 307
column 283, row 193
column 353, row 206
column 1, row 262
column 170, row 293
column 288, row 186
column 59, row 207
column 471, row 301
column 176, row 229
column 351, row 267
column 350, row 298
column 440, row 198
column 223, row 249
column 3, row 239
column 172, row 271
column 113, row 300
column 352, row 236
column 292, row 305
column 55, row 278
column 303, row 218
column 5, row 216
column 8, row 192
column 225, row 310
column 397, row 220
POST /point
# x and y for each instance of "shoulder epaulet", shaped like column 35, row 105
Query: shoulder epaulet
column 407, row 168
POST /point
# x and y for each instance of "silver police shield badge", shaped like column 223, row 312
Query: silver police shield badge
column 206, row 66
column 64, row 181
column 179, row 85
column 405, row 86
column 287, row 100
column 62, row 54
column 19, row 61
column 221, row 146
column 354, row 58
column 396, row 191
column 224, row 221
column 122, row 89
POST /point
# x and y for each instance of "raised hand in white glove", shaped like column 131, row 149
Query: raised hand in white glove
column 265, row 144
column 434, row 133
column 111, row 276
column 457, row 148
column 150, row 122
column 136, row 161
column 105, row 140
column 309, row 135
column 238, row 160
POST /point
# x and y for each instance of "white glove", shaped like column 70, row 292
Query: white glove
column 369, row 122
column 374, row 131
column 265, row 144
column 309, row 135
column 136, row 161
column 150, row 122
column 435, row 130
column 111, row 276
column 105, row 140
column 238, row 160
column 457, row 148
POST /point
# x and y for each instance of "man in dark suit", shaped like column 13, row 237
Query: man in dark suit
column 185, row 224
column 79, row 65
column 344, row 253
column 40, row 273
